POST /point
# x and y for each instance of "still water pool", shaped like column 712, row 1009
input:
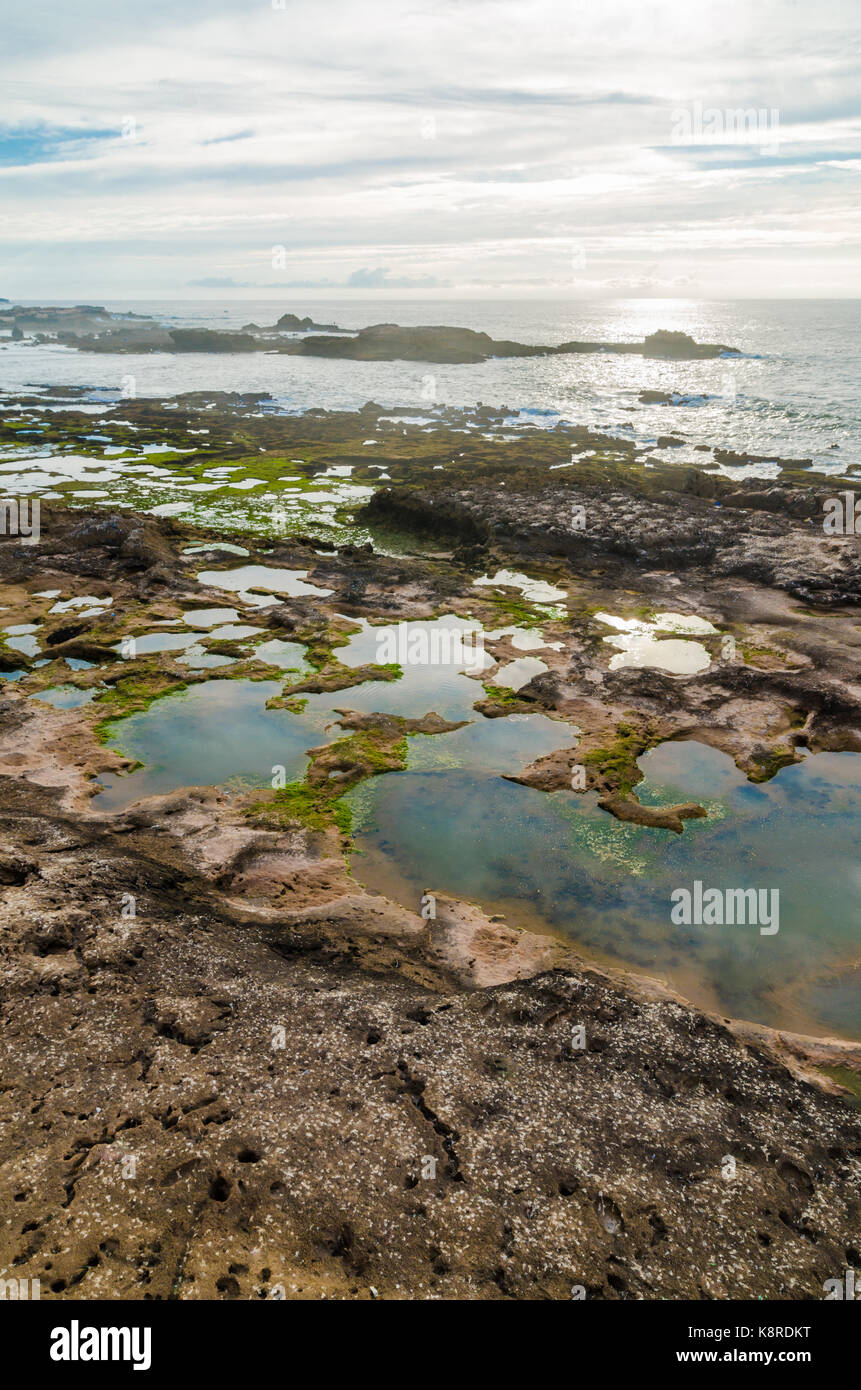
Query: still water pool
column 559, row 862
column 451, row 823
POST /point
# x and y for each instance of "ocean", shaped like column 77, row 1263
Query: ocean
column 793, row 393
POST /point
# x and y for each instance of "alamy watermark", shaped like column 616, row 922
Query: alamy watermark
column 20, row 517
column 19, row 1290
column 77, row 1343
column 409, row 645
column 725, row 125
column 845, row 1288
column 843, row 515
column 718, row 907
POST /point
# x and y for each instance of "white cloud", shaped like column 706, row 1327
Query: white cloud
column 460, row 144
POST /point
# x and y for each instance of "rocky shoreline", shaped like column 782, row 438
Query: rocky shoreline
column 318, row 1092
column 92, row 328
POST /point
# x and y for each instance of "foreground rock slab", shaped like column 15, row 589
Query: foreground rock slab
column 198, row 1103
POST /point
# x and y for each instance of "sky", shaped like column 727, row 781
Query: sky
column 543, row 149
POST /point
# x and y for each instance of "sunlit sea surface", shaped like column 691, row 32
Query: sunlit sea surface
column 450, row 820
column 794, row 392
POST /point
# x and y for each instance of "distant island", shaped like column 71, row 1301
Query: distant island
column 92, row 328
column 291, row 323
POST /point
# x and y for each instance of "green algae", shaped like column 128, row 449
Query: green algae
column 501, row 694
column 849, row 1079
column 297, row 803
column 316, row 803
column 767, row 765
column 615, row 765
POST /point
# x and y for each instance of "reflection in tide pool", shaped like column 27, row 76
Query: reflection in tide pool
column 65, row 696
column 560, row 861
column 212, row 734
column 267, row 577
column 452, row 824
column 221, row 731
column 642, row 643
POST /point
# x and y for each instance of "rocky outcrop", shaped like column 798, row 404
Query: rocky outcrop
column 689, row 523
column 208, row 340
column 389, row 342
column 680, row 346
column 232, row 1073
column 291, row 323
column 93, row 329
column 347, row 1100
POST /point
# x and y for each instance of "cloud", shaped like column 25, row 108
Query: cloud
column 225, row 282
column 229, row 139
column 382, row 279
column 412, row 146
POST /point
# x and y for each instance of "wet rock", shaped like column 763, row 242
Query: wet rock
column 15, row 868
column 680, row 346
column 660, row 817
column 243, row 1104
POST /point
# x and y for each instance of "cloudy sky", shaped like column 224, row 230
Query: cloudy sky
column 226, row 148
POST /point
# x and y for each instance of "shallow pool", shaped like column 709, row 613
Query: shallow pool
column 451, row 823
column 559, row 862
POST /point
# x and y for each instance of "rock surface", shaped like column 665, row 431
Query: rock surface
column 264, row 1080
column 200, row 1105
column 94, row 329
